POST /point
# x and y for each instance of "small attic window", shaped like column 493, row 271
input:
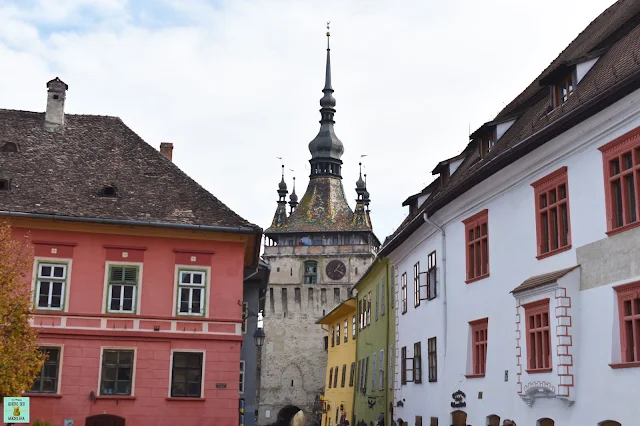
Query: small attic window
column 486, row 141
column 564, row 88
column 5, row 184
column 9, row 147
column 109, row 191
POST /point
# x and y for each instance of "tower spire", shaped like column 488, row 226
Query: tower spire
column 293, row 198
column 326, row 149
column 328, row 90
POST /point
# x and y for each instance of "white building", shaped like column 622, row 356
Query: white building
column 531, row 236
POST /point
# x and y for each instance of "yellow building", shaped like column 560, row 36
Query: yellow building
column 340, row 325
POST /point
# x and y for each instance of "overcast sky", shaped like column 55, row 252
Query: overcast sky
column 236, row 83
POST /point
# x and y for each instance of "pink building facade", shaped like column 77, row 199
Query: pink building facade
column 141, row 320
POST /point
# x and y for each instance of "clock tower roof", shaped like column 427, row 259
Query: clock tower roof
column 324, row 207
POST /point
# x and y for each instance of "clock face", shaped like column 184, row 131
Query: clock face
column 336, row 270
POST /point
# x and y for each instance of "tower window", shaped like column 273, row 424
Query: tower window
column 56, row 96
column 9, row 147
column 310, row 272
column 109, row 191
column 5, row 184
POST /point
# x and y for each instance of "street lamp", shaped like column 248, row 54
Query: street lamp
column 258, row 337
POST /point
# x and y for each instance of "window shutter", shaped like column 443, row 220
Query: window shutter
column 117, row 274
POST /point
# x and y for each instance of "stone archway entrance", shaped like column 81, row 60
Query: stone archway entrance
column 104, row 420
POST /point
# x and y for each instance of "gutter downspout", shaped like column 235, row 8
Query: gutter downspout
column 444, row 275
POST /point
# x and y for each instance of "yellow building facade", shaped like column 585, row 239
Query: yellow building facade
column 340, row 325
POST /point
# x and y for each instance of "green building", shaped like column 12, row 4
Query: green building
column 375, row 344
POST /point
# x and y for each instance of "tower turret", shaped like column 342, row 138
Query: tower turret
column 361, row 213
column 280, row 218
column 293, row 198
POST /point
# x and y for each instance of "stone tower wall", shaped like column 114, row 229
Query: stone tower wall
column 294, row 357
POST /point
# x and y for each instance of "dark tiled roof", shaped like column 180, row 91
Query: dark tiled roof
column 615, row 37
column 323, row 208
column 63, row 173
column 614, row 66
column 540, row 280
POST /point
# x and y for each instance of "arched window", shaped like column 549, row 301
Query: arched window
column 493, row 420
column 310, row 272
column 546, row 422
column 609, row 423
column 9, row 147
column 458, row 418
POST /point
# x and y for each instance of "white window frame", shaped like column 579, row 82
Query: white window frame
column 133, row 368
column 381, row 372
column 206, row 294
column 204, row 364
column 59, row 346
column 34, row 280
column 52, row 263
column 137, row 291
column 373, row 372
column 390, row 373
column 242, row 374
column 202, row 287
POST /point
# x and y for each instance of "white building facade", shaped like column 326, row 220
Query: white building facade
column 534, row 314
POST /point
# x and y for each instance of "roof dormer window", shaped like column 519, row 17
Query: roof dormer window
column 486, row 142
column 563, row 89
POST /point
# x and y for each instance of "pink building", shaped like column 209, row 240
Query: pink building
column 137, row 273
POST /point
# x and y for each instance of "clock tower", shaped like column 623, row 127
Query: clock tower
column 317, row 253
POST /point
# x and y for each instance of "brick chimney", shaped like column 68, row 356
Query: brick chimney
column 166, row 149
column 56, row 94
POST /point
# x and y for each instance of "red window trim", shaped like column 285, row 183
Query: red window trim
column 624, row 293
column 476, row 326
column 619, row 145
column 541, row 186
column 535, row 308
column 469, row 223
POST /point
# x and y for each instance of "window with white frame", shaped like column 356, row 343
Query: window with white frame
column 373, row 372
column 123, row 285
column 50, row 285
column 241, row 384
column 47, row 380
column 191, row 290
column 245, row 316
column 381, row 372
column 117, row 372
column 390, row 377
column 186, row 375
column 403, row 283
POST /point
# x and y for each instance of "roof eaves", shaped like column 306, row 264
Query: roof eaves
column 402, row 236
column 542, row 279
column 336, row 309
column 254, row 229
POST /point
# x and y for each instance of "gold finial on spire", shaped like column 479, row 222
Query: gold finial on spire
column 328, row 28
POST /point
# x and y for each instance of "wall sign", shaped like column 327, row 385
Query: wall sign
column 16, row 410
column 458, row 399
column 221, row 385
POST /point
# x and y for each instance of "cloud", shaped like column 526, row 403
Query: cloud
column 235, row 84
